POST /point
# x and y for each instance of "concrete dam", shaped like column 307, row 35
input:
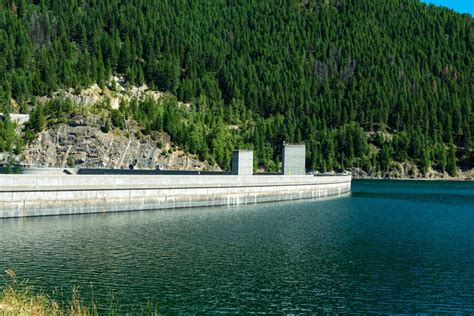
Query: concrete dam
column 42, row 194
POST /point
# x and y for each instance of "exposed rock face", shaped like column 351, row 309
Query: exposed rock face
column 81, row 143
column 95, row 94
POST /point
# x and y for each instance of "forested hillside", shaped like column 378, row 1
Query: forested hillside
column 363, row 83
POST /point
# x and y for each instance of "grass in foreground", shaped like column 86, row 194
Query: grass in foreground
column 20, row 298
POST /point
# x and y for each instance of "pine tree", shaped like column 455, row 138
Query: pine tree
column 452, row 161
column 38, row 119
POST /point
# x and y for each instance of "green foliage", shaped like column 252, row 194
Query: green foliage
column 117, row 119
column 452, row 161
column 38, row 119
column 107, row 126
column 425, row 161
column 164, row 74
column 441, row 157
column 7, row 133
column 322, row 72
column 54, row 111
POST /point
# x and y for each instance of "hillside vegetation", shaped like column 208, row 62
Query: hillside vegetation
column 364, row 83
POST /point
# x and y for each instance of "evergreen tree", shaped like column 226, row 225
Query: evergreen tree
column 451, row 161
column 297, row 77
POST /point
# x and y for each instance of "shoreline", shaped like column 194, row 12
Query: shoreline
column 415, row 179
column 431, row 175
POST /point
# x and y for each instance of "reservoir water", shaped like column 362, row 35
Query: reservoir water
column 389, row 247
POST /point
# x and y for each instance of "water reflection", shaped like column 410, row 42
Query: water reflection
column 366, row 253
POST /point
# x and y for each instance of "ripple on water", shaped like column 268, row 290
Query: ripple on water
column 392, row 247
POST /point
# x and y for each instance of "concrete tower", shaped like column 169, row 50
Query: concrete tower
column 294, row 159
column 242, row 162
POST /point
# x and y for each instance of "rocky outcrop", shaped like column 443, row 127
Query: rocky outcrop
column 114, row 92
column 82, row 143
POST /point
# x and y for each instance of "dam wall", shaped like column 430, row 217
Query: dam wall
column 42, row 195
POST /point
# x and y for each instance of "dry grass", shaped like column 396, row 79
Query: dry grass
column 19, row 298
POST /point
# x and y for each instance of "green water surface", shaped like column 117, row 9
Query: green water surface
column 389, row 247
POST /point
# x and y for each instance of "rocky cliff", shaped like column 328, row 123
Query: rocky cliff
column 84, row 137
column 81, row 142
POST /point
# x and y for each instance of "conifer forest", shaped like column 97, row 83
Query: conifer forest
column 363, row 83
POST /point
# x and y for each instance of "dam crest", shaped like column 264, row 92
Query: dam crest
column 44, row 194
